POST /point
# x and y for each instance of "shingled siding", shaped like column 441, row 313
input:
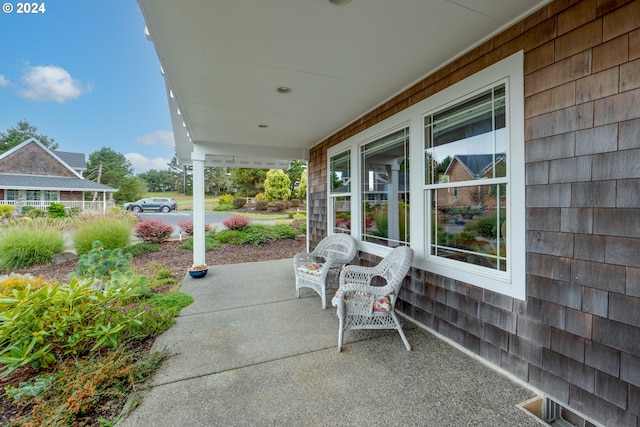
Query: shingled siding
column 33, row 160
column 577, row 335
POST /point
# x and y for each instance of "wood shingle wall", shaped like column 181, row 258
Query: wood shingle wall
column 577, row 335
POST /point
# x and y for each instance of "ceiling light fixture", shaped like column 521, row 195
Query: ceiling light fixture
column 284, row 89
column 263, row 126
column 340, row 2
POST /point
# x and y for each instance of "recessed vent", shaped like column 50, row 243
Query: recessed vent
column 551, row 413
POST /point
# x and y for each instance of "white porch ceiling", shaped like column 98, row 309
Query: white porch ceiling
column 223, row 61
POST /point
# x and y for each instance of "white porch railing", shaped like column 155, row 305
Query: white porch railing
column 85, row 206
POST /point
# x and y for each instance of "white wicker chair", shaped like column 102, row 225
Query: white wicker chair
column 363, row 306
column 314, row 269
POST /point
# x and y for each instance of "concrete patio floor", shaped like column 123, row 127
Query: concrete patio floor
column 247, row 352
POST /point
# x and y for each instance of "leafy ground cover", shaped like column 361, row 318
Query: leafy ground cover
column 90, row 387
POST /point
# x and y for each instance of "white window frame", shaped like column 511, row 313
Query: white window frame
column 512, row 283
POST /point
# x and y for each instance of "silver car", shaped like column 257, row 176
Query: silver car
column 158, row 204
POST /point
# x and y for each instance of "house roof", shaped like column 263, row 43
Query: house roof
column 476, row 164
column 39, row 182
column 223, row 63
column 75, row 160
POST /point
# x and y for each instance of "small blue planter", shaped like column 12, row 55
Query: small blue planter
column 198, row 274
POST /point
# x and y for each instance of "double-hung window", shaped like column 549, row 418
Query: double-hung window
column 466, row 183
column 466, row 180
column 385, row 189
column 340, row 192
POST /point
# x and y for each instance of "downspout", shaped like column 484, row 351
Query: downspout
column 198, row 159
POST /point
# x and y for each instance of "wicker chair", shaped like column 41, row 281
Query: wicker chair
column 315, row 269
column 363, row 306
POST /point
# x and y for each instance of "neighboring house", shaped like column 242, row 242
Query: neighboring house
column 33, row 175
column 470, row 167
column 555, row 86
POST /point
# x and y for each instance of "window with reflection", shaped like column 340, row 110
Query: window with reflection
column 340, row 192
column 385, row 190
column 465, row 153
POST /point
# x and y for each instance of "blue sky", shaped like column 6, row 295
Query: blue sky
column 84, row 74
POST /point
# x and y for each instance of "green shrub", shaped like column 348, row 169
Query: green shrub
column 226, row 199
column 141, row 248
column 225, row 207
column 6, row 211
column 29, row 243
column 39, row 327
column 56, row 210
column 257, row 233
column 32, row 212
column 114, row 231
column 260, row 197
column 211, row 242
column 100, row 263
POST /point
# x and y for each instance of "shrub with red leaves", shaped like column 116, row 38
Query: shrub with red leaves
column 187, row 227
column 236, row 222
column 153, row 231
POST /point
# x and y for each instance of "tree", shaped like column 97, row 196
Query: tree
column 248, row 181
column 159, row 180
column 23, row 131
column 302, row 187
column 108, row 167
column 294, row 173
column 217, row 181
column 130, row 189
column 276, row 186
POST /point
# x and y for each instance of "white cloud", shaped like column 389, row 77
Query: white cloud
column 51, row 83
column 141, row 163
column 163, row 138
column 3, row 81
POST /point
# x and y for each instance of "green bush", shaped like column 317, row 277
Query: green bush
column 100, row 263
column 225, row 207
column 211, row 242
column 257, row 233
column 114, row 231
column 29, row 243
column 56, row 210
column 6, row 211
column 141, row 248
column 31, row 212
column 226, row 199
column 42, row 326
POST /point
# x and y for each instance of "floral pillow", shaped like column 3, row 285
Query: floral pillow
column 362, row 300
column 314, row 269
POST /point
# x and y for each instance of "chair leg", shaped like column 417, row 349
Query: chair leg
column 340, row 332
column 402, row 335
column 324, row 298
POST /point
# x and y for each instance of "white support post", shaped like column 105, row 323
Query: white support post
column 198, row 159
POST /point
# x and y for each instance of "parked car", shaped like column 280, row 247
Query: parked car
column 158, row 204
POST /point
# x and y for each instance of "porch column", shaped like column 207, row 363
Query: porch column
column 198, row 159
column 104, row 202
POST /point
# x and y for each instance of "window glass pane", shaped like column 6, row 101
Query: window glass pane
column 341, row 214
column 12, row 194
column 51, row 196
column 472, row 132
column 385, row 190
column 341, row 173
column 470, row 227
column 33, row 195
